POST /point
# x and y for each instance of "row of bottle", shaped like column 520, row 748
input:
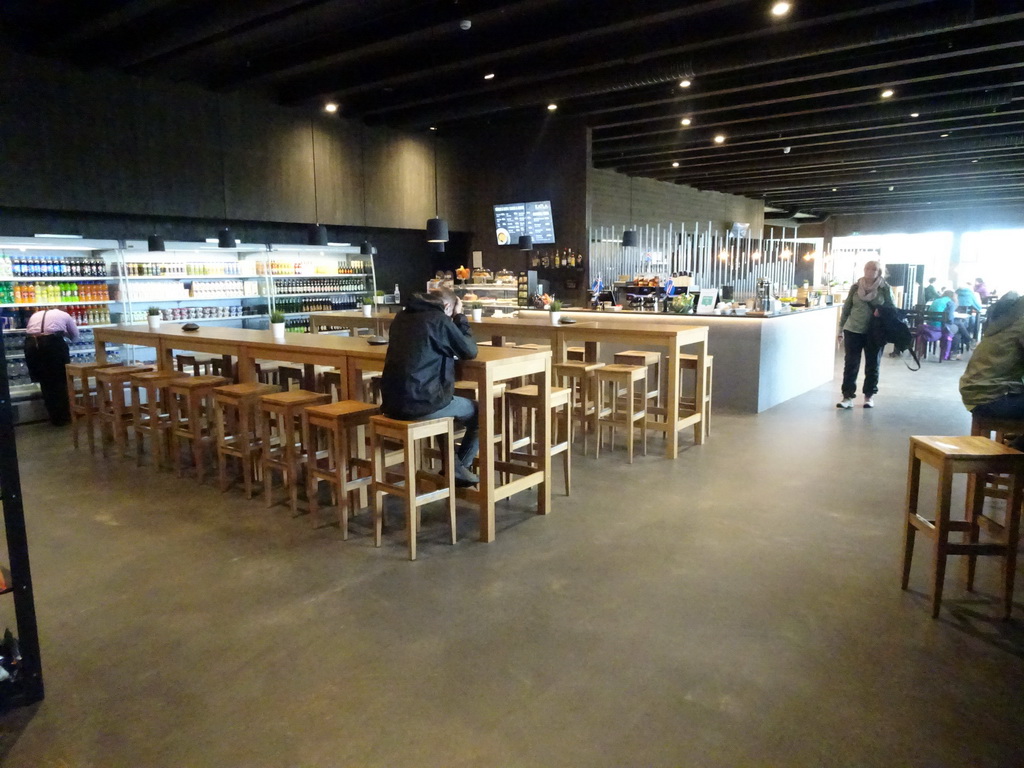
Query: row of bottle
column 17, row 369
column 333, row 285
column 288, row 306
column 561, row 258
column 15, row 343
column 296, row 325
column 52, row 293
column 52, row 266
column 284, row 267
column 190, row 269
column 83, row 315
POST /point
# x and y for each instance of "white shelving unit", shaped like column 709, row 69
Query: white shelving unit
column 491, row 295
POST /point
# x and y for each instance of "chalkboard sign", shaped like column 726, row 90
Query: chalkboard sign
column 514, row 219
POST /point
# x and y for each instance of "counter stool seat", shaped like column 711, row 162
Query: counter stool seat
column 151, row 413
column 974, row 456
column 526, row 398
column 652, row 360
column 576, row 354
column 281, row 435
column 409, row 435
column 114, row 407
column 83, row 399
column 688, row 399
column 192, row 418
column 234, row 409
column 345, row 465
column 611, row 411
column 580, row 378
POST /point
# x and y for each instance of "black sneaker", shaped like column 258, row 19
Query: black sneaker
column 464, row 478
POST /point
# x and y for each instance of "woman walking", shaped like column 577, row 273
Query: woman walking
column 867, row 295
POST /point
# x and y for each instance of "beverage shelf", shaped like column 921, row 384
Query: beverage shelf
column 24, row 390
column 316, row 277
column 280, row 296
column 214, row 319
column 186, row 278
column 53, row 304
column 58, row 279
column 189, row 298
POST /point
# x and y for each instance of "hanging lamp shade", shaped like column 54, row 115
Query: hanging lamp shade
column 365, row 249
column 156, row 243
column 437, row 247
column 437, row 231
column 525, row 243
column 629, row 239
column 225, row 239
column 317, row 235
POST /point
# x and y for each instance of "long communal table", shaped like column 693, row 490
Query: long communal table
column 353, row 355
column 672, row 339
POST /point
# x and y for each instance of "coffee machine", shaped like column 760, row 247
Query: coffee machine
column 763, row 297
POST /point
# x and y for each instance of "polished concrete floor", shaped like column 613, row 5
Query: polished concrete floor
column 737, row 607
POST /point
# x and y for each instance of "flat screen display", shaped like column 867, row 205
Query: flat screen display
column 514, row 219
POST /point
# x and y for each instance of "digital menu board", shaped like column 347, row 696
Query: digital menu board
column 514, row 219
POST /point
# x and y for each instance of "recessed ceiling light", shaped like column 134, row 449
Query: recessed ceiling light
column 888, row 93
column 686, row 121
column 891, row 188
column 685, row 83
column 974, row 161
column 489, row 76
column 781, row 8
column 719, row 139
column 915, row 114
column 330, row 106
column 433, row 127
column 834, row 189
column 676, row 164
column 943, row 135
column 552, row 107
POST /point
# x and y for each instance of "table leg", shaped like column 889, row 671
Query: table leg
column 485, row 460
column 246, row 366
column 544, row 436
column 700, row 391
column 101, row 353
column 672, row 406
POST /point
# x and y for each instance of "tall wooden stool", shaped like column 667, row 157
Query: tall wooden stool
column 408, row 434
column 344, row 465
column 329, row 383
column 468, row 389
column 688, row 399
column 526, row 399
column 281, row 434
column 83, row 398
column 580, row 378
column 201, row 365
column 652, row 360
column 576, row 354
column 290, row 377
column 610, row 411
column 975, row 457
column 192, row 417
column 1002, row 431
column 151, row 412
column 234, row 410
column 114, row 409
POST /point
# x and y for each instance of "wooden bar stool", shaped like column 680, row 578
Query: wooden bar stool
column 345, row 465
column 611, row 411
column 408, row 435
column 201, row 365
column 688, row 399
column 520, row 432
column 652, row 360
column 234, row 410
column 330, row 384
column 266, row 371
column 580, row 378
column 576, row 354
column 290, row 377
column 974, row 456
column 114, row 410
column 281, row 434
column 151, row 412
column 192, row 417
column 468, row 389
column 1002, row 431
column 83, row 398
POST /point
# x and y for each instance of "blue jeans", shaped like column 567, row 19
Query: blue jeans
column 1007, row 407
column 465, row 413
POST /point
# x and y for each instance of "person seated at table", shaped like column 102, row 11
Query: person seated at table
column 981, row 289
column 953, row 328
column 993, row 384
column 418, row 382
column 967, row 301
column 931, row 293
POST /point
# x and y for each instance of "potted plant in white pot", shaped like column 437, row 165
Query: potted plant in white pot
column 556, row 311
column 379, row 298
column 477, row 311
column 153, row 318
column 367, row 307
column 277, row 325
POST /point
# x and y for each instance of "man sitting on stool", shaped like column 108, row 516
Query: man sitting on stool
column 418, row 382
column 993, row 384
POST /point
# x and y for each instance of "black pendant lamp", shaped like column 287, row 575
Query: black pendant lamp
column 156, row 243
column 317, row 235
column 525, row 243
column 365, row 249
column 437, row 228
column 437, row 247
column 225, row 239
column 629, row 236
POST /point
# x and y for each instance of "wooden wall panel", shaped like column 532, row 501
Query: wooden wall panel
column 339, row 171
column 179, row 163
column 268, row 174
column 400, row 186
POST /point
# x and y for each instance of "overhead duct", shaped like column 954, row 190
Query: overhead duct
column 785, row 213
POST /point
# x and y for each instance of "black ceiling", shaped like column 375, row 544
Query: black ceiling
column 798, row 99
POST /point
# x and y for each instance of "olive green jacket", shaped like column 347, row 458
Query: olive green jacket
column 996, row 368
column 856, row 316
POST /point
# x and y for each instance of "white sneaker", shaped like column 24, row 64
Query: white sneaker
column 847, row 402
column 869, row 402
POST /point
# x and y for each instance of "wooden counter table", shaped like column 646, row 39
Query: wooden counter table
column 667, row 337
column 492, row 365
